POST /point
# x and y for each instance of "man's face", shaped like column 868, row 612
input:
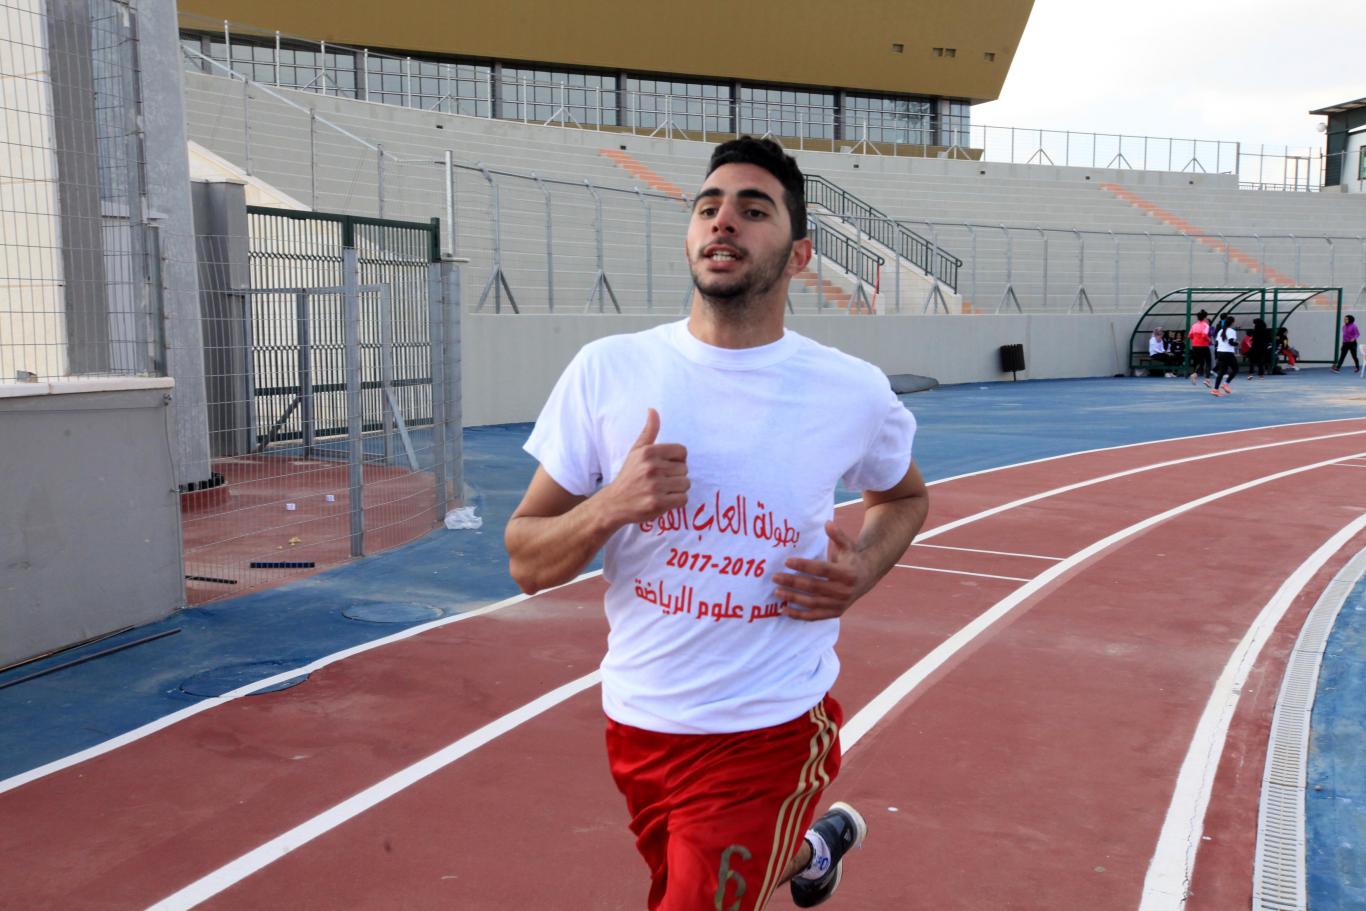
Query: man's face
column 739, row 243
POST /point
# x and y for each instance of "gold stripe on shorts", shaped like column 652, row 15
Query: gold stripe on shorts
column 794, row 806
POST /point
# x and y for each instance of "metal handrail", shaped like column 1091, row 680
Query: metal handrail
column 882, row 228
column 1034, row 227
column 838, row 248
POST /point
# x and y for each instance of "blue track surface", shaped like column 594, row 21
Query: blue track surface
column 1335, row 808
column 962, row 428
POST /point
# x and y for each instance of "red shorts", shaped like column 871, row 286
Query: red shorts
column 718, row 817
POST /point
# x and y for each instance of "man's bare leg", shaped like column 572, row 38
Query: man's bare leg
column 798, row 863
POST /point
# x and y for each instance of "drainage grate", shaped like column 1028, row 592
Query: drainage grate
column 1278, row 875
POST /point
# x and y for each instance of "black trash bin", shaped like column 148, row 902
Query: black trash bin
column 1012, row 359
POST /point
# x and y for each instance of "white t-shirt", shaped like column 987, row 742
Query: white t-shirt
column 1157, row 345
column 1227, row 341
column 697, row 641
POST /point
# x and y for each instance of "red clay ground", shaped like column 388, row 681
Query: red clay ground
column 247, row 521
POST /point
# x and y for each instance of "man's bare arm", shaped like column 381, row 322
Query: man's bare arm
column 553, row 534
column 822, row 589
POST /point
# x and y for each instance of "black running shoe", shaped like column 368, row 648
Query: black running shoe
column 842, row 828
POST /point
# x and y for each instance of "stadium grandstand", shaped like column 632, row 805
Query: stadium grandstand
column 921, row 211
column 284, row 283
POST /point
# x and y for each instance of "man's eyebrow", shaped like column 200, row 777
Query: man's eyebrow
column 743, row 194
column 710, row 191
column 757, row 194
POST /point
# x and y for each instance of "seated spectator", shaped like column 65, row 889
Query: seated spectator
column 1285, row 350
column 1258, row 345
column 1159, row 350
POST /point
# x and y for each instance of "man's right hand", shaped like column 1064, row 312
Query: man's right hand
column 652, row 480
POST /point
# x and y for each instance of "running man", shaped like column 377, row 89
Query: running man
column 703, row 456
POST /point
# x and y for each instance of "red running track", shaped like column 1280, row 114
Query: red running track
column 1029, row 763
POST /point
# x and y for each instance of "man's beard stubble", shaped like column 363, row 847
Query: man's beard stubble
column 735, row 297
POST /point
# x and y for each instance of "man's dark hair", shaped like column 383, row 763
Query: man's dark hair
column 767, row 154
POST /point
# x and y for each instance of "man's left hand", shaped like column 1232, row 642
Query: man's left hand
column 825, row 589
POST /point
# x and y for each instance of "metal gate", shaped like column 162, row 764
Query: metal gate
column 332, row 348
column 297, row 317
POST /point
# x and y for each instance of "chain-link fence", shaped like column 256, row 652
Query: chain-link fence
column 1036, row 269
column 315, row 414
column 332, row 378
column 78, row 260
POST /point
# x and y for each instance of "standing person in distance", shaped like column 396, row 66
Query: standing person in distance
column 1198, row 342
column 1350, row 334
column 1225, row 357
column 1259, row 354
column 726, row 573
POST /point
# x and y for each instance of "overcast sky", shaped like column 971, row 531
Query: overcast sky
column 1237, row 70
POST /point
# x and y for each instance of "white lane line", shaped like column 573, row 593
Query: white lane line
column 1168, row 878
column 958, row 572
column 878, row 707
column 1353, row 465
column 222, row 878
column 1067, row 488
column 978, row 550
column 152, row 727
column 235, row 871
column 167, row 720
column 1082, row 452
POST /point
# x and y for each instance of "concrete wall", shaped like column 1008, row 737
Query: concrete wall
column 91, row 535
column 511, row 362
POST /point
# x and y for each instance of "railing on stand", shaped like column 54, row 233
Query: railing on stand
column 609, row 104
column 1035, row 268
column 901, row 240
column 864, row 266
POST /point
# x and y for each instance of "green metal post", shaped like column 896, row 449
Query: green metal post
column 1186, row 348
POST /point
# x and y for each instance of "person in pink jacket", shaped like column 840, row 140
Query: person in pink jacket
column 1198, row 338
column 1350, row 334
